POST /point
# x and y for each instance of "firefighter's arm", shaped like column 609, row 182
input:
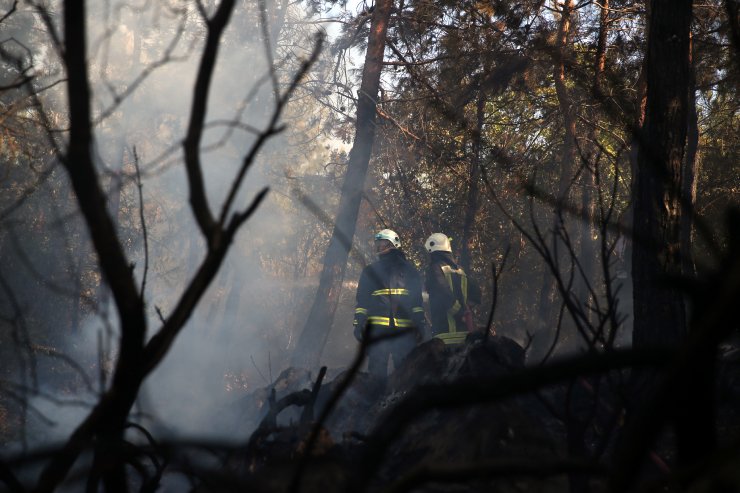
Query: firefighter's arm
column 362, row 297
column 417, row 307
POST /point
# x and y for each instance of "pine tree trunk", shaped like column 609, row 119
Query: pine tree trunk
column 316, row 330
column 689, row 183
column 659, row 310
column 657, row 186
column 589, row 236
column 549, row 298
column 472, row 205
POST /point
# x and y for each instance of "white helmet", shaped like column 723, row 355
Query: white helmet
column 438, row 242
column 390, row 235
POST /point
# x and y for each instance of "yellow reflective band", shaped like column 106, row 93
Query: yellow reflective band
column 361, row 310
column 383, row 292
column 455, row 308
column 452, row 337
column 398, row 322
column 417, row 309
column 447, row 270
column 451, row 323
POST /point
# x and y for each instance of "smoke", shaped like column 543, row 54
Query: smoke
column 143, row 63
column 239, row 338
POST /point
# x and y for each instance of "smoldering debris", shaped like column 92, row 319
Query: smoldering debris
column 517, row 427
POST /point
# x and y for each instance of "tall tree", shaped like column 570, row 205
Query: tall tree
column 473, row 196
column 689, row 175
column 659, row 314
column 316, row 329
column 568, row 154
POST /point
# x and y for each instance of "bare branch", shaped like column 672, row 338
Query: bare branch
column 144, row 234
column 268, row 47
column 191, row 145
column 492, row 469
column 10, row 11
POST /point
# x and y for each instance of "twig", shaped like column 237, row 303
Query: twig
column 144, row 234
column 496, row 275
column 251, row 357
column 308, row 409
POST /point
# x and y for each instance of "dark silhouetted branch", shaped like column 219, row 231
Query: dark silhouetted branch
column 492, row 469
column 191, row 145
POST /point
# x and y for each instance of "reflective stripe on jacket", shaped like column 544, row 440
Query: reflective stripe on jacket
column 389, row 293
column 458, row 282
column 447, row 285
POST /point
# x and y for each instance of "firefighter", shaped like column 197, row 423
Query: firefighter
column 451, row 292
column 389, row 306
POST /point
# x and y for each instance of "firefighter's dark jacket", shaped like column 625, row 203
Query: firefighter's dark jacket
column 450, row 291
column 389, row 296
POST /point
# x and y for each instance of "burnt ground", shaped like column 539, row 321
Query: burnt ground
column 413, row 433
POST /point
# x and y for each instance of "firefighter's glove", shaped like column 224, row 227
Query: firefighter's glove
column 359, row 327
column 422, row 330
column 425, row 333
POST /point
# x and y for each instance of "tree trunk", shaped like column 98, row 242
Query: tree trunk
column 316, row 330
column 587, row 246
column 588, row 232
column 549, row 307
column 568, row 154
column 577, row 232
column 471, row 208
column 689, row 183
column 696, row 410
column 659, row 317
column 639, row 117
column 657, row 185
column 600, row 58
